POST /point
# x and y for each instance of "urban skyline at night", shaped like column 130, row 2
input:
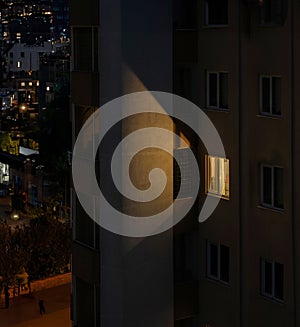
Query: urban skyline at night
column 148, row 163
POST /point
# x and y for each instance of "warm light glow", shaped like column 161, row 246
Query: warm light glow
column 48, row 88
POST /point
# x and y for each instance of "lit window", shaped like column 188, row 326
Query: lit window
column 22, row 83
column 217, row 176
column 272, row 279
column 218, row 261
column 48, row 88
column 271, row 12
column 30, row 83
column 216, row 12
column 270, row 95
column 272, row 186
column 19, row 64
column 217, row 90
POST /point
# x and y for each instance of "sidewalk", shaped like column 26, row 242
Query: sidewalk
column 37, row 286
column 24, row 312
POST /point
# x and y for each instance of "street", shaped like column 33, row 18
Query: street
column 24, row 312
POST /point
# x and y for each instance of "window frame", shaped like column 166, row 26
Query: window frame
column 207, row 183
column 272, row 205
column 208, row 262
column 206, row 16
column 272, row 22
column 271, row 295
column 261, row 109
column 208, row 105
column 94, row 49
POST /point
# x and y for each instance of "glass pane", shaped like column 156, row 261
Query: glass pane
column 213, row 267
column 82, row 48
column 276, row 96
column 212, row 178
column 278, row 187
column 217, row 12
column 268, row 277
column 185, row 14
column 96, row 44
column 266, row 11
column 223, row 80
column 84, row 226
column 227, row 181
column 267, row 185
column 224, row 263
column 213, row 90
column 266, row 89
column 223, row 176
column 278, row 281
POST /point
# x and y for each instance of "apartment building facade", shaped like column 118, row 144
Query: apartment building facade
column 238, row 61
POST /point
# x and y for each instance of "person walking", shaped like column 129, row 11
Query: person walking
column 42, row 307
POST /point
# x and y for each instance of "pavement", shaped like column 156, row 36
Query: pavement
column 24, row 310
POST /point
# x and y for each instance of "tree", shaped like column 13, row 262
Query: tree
column 13, row 256
column 50, row 242
column 39, row 250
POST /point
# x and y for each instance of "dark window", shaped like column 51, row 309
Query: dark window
column 84, row 226
column 218, row 261
column 278, row 284
column 185, row 14
column 85, row 42
column 216, row 12
column 224, row 263
column 272, row 279
column 22, row 54
column 272, row 186
column 213, row 90
column 278, row 187
column 217, row 90
column 271, row 12
column 267, row 185
column 11, row 54
column 270, row 97
column 213, row 268
column 268, row 277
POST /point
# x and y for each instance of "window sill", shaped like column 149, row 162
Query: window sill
column 217, row 109
column 266, row 207
column 272, row 298
column 266, row 115
column 186, row 29
column 217, row 281
column 270, row 25
column 218, row 196
column 210, row 26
